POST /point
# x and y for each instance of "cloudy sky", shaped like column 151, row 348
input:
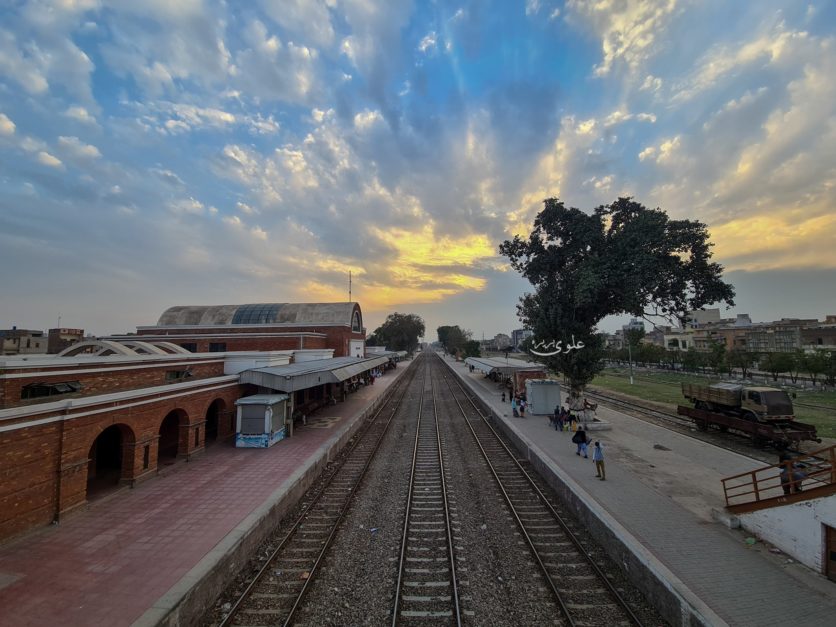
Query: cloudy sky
column 198, row 152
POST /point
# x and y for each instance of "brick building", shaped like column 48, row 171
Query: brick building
column 16, row 341
column 107, row 412
column 263, row 326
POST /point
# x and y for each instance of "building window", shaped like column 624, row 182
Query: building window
column 177, row 375
column 189, row 346
column 217, row 347
column 42, row 390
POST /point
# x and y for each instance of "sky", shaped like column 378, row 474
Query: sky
column 162, row 153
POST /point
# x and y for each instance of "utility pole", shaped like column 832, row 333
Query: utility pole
column 630, row 357
column 349, row 286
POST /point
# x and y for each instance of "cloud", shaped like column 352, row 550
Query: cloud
column 7, row 127
column 47, row 159
column 628, row 29
column 187, row 206
column 274, row 70
column 306, row 19
column 76, row 149
column 25, row 70
column 427, row 45
column 80, row 114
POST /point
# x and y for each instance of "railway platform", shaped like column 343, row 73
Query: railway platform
column 134, row 557
column 661, row 498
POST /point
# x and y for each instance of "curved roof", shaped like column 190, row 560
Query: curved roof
column 260, row 313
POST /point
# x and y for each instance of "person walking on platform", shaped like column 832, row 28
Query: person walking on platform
column 514, row 411
column 580, row 439
column 598, row 458
column 558, row 417
column 503, row 397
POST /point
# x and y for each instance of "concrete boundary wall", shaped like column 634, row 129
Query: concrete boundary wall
column 677, row 603
column 189, row 599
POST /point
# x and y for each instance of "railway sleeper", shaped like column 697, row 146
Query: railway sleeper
column 426, row 599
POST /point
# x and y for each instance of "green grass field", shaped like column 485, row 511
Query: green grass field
column 664, row 387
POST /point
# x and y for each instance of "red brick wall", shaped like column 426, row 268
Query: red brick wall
column 336, row 337
column 103, row 382
column 34, row 488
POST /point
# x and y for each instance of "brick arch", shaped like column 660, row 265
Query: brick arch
column 110, row 458
column 173, row 434
column 215, row 412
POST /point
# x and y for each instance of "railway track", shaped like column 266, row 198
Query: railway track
column 277, row 590
column 427, row 588
column 580, row 588
column 443, row 502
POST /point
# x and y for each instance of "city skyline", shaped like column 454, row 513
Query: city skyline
column 156, row 154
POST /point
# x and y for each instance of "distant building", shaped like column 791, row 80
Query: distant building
column 59, row 339
column 518, row 336
column 259, row 326
column 634, row 324
column 820, row 335
column 501, row 340
column 16, row 341
column 702, row 317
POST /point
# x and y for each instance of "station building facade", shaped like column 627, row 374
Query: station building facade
column 261, row 326
column 116, row 411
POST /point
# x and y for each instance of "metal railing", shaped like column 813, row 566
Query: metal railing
column 790, row 476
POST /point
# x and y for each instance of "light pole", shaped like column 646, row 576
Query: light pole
column 630, row 358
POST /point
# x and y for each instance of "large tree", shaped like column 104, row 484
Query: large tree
column 623, row 258
column 400, row 332
column 453, row 338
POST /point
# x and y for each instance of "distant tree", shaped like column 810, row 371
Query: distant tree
column 692, row 360
column 716, row 355
column 453, row 338
column 776, row 363
column 400, row 332
column 623, row 258
column 472, row 348
column 830, row 367
column 740, row 358
column 373, row 340
column 797, row 365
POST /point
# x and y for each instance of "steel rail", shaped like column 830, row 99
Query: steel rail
column 245, row 595
column 408, row 508
column 557, row 517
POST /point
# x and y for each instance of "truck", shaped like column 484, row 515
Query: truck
column 764, row 414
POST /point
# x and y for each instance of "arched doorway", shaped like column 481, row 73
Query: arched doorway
column 169, row 443
column 212, row 415
column 104, row 468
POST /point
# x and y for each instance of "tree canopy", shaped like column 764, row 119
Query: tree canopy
column 623, row 258
column 453, row 338
column 400, row 332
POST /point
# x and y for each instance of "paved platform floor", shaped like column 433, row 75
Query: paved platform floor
column 108, row 564
column 661, row 487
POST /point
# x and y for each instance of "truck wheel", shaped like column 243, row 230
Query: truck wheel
column 702, row 425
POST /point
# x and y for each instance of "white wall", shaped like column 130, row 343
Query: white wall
column 238, row 361
column 796, row 529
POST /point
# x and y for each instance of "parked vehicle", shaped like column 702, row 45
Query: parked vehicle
column 764, row 414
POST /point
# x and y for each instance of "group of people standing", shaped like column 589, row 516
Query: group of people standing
column 563, row 419
column 518, row 405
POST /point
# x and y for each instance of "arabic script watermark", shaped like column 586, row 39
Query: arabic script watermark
column 555, row 346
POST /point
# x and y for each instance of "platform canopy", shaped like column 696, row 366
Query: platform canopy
column 501, row 365
column 310, row 374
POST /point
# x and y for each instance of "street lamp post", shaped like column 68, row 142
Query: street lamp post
column 630, row 357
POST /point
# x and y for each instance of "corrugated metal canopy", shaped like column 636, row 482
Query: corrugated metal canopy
column 501, row 365
column 309, row 374
column 262, row 399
